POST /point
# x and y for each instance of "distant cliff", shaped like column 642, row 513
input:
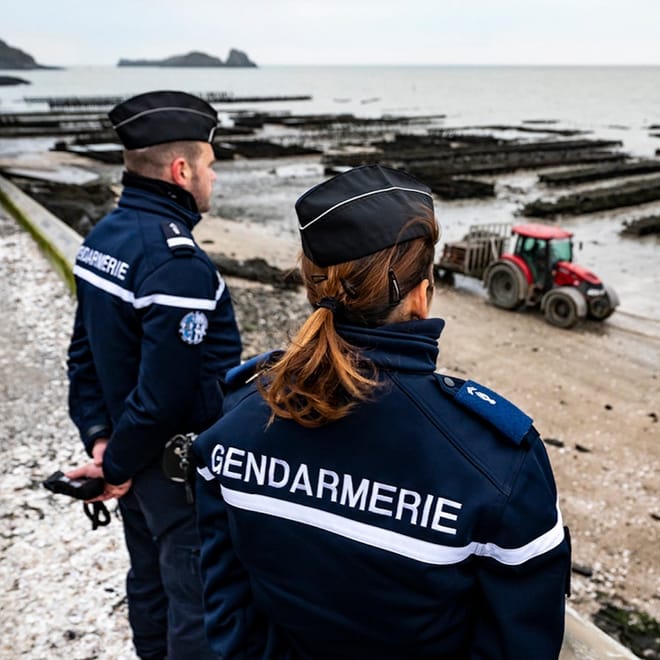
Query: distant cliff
column 195, row 59
column 14, row 58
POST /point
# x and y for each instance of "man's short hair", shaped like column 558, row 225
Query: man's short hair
column 153, row 161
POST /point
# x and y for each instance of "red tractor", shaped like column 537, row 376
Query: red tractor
column 540, row 270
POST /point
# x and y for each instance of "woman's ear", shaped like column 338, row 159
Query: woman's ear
column 417, row 301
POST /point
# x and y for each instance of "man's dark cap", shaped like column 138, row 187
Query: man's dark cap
column 158, row 117
column 360, row 212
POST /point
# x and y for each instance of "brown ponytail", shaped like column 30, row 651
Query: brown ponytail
column 321, row 376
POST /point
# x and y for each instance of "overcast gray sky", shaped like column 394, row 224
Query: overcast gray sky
column 75, row 32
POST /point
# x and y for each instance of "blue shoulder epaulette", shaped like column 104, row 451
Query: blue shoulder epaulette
column 242, row 374
column 179, row 242
column 495, row 409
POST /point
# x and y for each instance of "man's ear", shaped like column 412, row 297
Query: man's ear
column 180, row 172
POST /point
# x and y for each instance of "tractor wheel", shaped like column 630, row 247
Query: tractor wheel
column 561, row 310
column 602, row 307
column 505, row 285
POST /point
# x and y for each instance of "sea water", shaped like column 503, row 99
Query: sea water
column 621, row 103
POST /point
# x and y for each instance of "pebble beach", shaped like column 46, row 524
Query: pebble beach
column 62, row 584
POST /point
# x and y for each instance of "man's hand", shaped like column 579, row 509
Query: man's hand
column 98, row 450
column 89, row 470
column 92, row 470
column 95, row 469
column 111, row 491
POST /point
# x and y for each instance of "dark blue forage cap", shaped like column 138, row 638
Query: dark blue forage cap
column 360, row 212
column 163, row 116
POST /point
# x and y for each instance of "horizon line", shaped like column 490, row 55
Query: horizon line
column 372, row 64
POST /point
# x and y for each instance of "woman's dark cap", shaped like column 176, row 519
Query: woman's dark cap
column 159, row 117
column 360, row 212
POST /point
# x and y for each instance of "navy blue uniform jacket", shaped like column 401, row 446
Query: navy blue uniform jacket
column 154, row 329
column 425, row 524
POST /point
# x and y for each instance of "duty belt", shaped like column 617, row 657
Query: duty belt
column 176, row 461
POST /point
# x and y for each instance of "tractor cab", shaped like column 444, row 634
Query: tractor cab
column 541, row 248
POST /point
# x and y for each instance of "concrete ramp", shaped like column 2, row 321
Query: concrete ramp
column 585, row 641
column 55, row 237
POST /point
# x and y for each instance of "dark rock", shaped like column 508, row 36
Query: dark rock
column 15, row 58
column 36, row 124
column 634, row 629
column 119, row 604
column 528, row 129
column 239, row 58
column 553, row 442
column 258, row 270
column 451, row 188
column 79, row 206
column 462, row 138
column 599, row 199
column 331, row 120
column 104, row 153
column 195, row 58
column 266, row 149
column 6, row 81
column 404, row 142
column 223, row 151
column 600, row 172
column 581, row 569
column 641, row 226
column 250, row 120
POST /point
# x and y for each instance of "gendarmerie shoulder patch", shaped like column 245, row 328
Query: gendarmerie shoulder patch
column 177, row 238
column 193, row 327
column 494, row 408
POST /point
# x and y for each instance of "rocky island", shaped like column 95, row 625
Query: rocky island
column 15, row 58
column 236, row 58
column 12, row 80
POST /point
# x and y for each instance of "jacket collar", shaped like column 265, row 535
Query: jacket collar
column 160, row 192
column 410, row 346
